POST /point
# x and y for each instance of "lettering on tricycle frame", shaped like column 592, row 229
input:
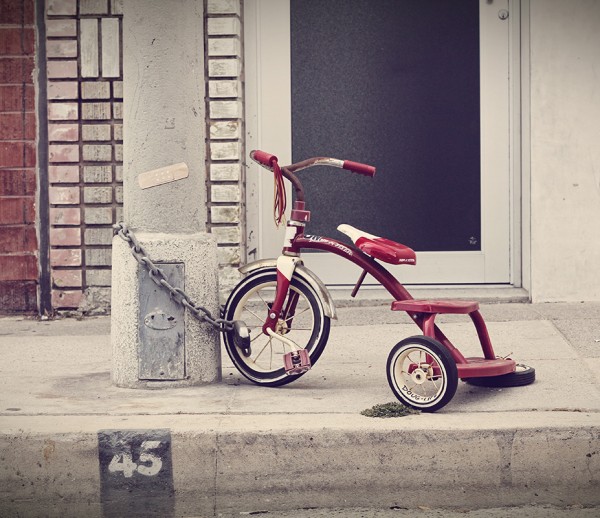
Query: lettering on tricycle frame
column 136, row 472
column 324, row 240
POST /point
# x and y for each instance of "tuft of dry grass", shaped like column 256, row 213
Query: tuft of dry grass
column 393, row 409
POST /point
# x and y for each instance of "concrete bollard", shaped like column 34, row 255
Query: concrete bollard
column 146, row 357
column 156, row 343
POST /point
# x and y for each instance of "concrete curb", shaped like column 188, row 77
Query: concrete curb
column 72, row 444
column 243, row 463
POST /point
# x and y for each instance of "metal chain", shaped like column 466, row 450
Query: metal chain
column 160, row 279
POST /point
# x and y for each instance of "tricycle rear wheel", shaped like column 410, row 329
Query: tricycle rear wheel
column 422, row 373
column 523, row 375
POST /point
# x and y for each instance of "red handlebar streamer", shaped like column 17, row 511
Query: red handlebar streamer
column 279, row 195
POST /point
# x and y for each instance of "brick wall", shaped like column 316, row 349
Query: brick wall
column 224, row 51
column 85, row 143
column 18, row 241
column 85, row 150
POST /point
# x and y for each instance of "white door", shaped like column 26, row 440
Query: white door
column 460, row 224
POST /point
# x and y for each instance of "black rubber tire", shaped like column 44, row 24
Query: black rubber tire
column 524, row 375
column 441, row 356
column 314, row 345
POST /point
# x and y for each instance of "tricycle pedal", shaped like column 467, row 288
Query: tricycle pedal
column 296, row 362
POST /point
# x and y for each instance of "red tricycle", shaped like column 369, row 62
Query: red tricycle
column 283, row 310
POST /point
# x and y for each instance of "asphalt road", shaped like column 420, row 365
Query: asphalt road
column 529, row 511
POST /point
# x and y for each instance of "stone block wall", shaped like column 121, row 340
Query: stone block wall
column 85, row 148
column 19, row 268
column 225, row 161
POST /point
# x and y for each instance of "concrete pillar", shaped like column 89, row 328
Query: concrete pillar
column 164, row 124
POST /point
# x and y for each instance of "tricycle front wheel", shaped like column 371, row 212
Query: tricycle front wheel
column 422, row 374
column 306, row 325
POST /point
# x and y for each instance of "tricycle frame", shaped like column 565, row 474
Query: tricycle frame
column 489, row 365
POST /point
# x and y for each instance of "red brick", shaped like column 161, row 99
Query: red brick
column 63, row 111
column 63, row 174
column 63, row 132
column 16, row 70
column 64, row 195
column 17, row 182
column 61, row 27
column 61, row 48
column 16, row 41
column 65, row 216
column 66, row 299
column 20, row 238
column 22, row 267
column 17, row 12
column 63, row 153
column 62, row 90
column 59, row 69
column 18, row 297
column 17, row 154
column 17, row 126
column 17, row 210
column 70, row 236
column 11, row 98
column 65, row 257
column 67, row 278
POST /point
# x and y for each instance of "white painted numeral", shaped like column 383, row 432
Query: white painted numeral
column 149, row 463
column 155, row 463
column 122, row 462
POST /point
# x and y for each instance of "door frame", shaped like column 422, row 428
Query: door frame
column 264, row 83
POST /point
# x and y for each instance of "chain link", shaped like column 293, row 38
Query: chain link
column 160, row 279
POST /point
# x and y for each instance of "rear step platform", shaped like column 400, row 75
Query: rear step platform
column 462, row 307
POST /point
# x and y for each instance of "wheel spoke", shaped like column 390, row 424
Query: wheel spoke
column 257, row 336
column 297, row 314
column 255, row 315
column 263, row 300
column 413, row 361
column 261, row 351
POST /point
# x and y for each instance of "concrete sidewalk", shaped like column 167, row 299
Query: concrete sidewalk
column 236, row 448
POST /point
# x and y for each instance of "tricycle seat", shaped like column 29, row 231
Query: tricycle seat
column 462, row 307
column 379, row 247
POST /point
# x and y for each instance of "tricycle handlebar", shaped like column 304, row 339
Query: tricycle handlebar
column 270, row 162
column 266, row 160
column 356, row 167
column 263, row 158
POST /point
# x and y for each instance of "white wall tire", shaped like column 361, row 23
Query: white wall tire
column 422, row 374
column 249, row 302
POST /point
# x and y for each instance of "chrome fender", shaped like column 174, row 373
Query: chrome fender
column 306, row 274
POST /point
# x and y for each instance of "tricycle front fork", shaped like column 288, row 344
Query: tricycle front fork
column 285, row 271
column 297, row 360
